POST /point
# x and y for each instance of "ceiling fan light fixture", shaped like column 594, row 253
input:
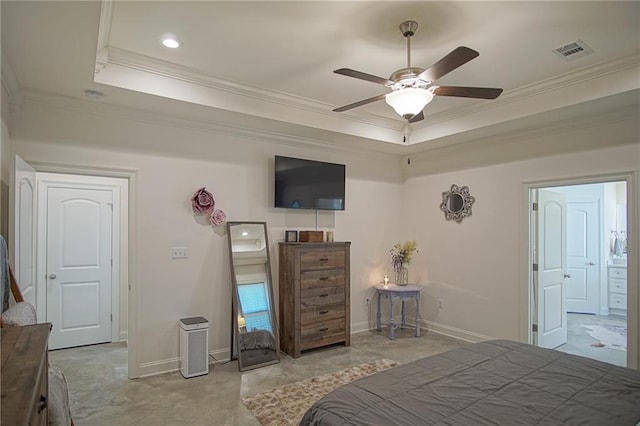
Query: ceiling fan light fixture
column 410, row 101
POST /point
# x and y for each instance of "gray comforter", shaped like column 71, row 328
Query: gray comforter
column 498, row 382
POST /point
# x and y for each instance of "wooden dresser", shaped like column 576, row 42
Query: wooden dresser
column 313, row 295
column 24, row 375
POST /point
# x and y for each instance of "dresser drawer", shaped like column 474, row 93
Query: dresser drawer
column 618, row 301
column 322, row 259
column 320, row 279
column 321, row 313
column 331, row 331
column 313, row 297
column 617, row 285
column 618, row 273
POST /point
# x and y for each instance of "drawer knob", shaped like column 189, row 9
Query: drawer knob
column 323, row 312
column 323, row 278
column 323, row 259
column 43, row 403
column 324, row 329
column 324, row 295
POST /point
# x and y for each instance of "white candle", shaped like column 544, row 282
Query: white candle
column 386, row 280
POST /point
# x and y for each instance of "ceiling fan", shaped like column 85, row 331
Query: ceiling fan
column 413, row 88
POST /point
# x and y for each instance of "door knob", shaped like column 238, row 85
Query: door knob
column 567, row 276
column 52, row 276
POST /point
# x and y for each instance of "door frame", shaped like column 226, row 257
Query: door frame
column 129, row 248
column 45, row 181
column 633, row 254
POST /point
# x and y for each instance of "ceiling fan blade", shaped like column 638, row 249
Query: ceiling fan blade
column 360, row 103
column 363, row 76
column 468, row 92
column 419, row 116
column 459, row 56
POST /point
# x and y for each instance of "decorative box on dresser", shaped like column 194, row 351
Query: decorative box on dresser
column 313, row 295
column 617, row 289
column 25, row 375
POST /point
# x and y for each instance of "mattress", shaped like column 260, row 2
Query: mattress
column 498, row 382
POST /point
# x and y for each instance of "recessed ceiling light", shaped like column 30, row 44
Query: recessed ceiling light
column 171, row 42
column 245, row 233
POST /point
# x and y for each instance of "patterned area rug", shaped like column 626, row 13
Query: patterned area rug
column 608, row 336
column 285, row 405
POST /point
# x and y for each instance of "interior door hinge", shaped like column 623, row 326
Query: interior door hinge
column 535, row 267
column 534, row 328
column 534, row 207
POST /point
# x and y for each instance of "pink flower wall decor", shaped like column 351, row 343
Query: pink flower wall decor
column 217, row 217
column 202, row 202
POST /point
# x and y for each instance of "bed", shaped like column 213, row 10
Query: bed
column 498, row 382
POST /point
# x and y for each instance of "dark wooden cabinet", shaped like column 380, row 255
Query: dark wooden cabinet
column 313, row 295
column 24, row 375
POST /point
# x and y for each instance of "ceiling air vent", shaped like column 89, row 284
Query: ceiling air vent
column 574, row 50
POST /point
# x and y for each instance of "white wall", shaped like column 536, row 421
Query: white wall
column 4, row 164
column 474, row 265
column 172, row 163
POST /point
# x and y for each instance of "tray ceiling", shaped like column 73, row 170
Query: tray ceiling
column 268, row 65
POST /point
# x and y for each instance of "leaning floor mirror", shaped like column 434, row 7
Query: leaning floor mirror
column 254, row 337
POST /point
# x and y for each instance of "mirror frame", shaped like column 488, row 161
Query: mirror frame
column 235, row 335
column 467, row 202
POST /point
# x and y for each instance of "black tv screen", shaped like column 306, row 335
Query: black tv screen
column 308, row 184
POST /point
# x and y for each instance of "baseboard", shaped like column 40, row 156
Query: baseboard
column 147, row 369
column 173, row 364
column 458, row 333
column 445, row 330
column 360, row 327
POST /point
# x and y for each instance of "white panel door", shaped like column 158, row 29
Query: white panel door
column 24, row 241
column 582, row 257
column 552, row 269
column 79, row 241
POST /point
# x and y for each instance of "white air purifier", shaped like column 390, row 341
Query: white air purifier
column 194, row 347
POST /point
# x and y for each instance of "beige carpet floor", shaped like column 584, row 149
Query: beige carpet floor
column 285, row 405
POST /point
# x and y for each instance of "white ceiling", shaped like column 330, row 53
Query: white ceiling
column 267, row 66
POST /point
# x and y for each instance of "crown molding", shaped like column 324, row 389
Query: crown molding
column 191, row 76
column 367, row 147
column 134, row 61
column 567, row 79
column 532, row 133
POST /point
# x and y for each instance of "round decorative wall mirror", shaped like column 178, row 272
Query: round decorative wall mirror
column 456, row 203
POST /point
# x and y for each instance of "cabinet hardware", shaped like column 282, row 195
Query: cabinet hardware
column 43, row 403
column 323, row 312
column 323, row 259
column 324, row 295
column 324, row 329
column 323, row 278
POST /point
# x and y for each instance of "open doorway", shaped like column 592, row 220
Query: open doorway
column 578, row 287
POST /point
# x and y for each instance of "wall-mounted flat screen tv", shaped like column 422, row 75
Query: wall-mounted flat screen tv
column 308, row 184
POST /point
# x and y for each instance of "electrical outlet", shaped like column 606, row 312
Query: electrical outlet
column 367, row 301
column 179, row 253
column 440, row 303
